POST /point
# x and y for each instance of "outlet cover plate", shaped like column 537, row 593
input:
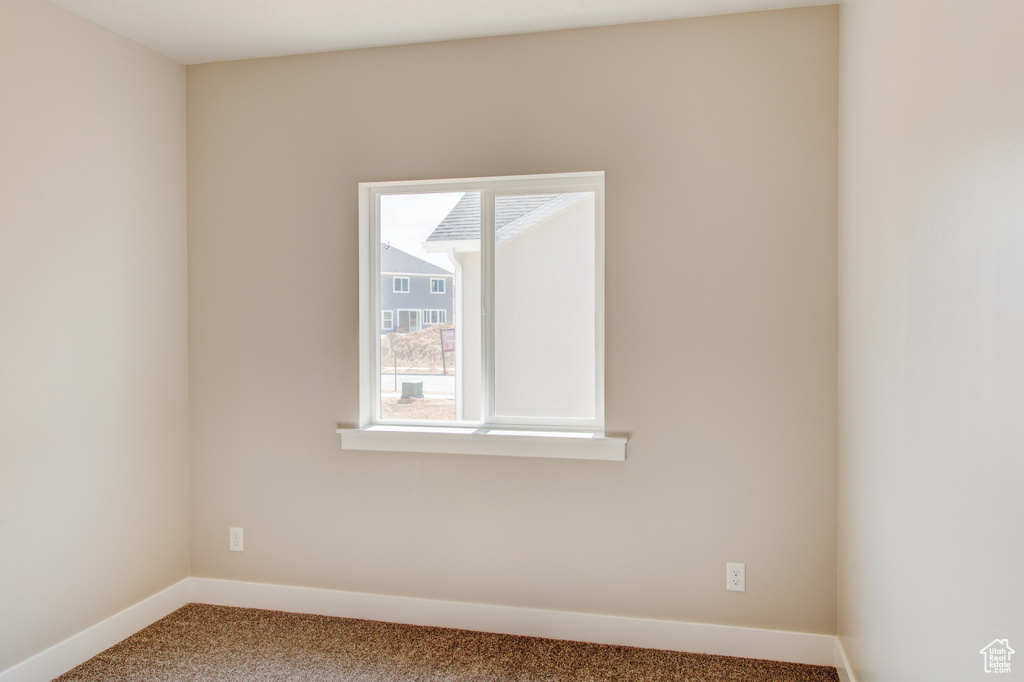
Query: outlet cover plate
column 736, row 577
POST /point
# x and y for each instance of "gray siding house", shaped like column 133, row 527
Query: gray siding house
column 413, row 293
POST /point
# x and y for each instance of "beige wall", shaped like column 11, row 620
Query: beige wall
column 719, row 139
column 932, row 336
column 93, row 314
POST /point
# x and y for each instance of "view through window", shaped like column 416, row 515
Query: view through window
column 489, row 302
column 418, row 379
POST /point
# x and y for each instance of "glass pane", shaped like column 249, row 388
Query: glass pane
column 418, row 287
column 544, row 299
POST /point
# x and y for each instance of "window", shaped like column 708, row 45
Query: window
column 408, row 321
column 522, row 342
column 387, row 319
column 431, row 317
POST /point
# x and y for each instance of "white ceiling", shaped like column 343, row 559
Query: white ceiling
column 198, row 31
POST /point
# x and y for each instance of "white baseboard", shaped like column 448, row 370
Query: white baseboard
column 723, row 640
column 79, row 648
column 777, row 645
column 843, row 664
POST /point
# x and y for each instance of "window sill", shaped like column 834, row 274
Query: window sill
column 494, row 442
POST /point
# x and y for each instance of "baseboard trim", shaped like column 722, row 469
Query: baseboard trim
column 778, row 645
column 843, row 664
column 722, row 640
column 79, row 648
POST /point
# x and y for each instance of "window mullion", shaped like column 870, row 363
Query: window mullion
column 487, row 302
column 375, row 304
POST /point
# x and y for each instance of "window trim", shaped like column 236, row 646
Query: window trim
column 369, row 255
column 442, row 283
column 447, row 440
column 391, row 321
column 395, row 288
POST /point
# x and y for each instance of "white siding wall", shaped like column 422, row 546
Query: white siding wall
column 544, row 318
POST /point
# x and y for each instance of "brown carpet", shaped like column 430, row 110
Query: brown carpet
column 201, row 642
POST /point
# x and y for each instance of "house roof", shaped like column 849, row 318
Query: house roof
column 393, row 259
column 512, row 215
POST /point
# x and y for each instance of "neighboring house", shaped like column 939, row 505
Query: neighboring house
column 413, row 293
column 544, row 300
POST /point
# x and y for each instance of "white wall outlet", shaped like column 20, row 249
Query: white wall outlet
column 235, row 543
column 736, row 577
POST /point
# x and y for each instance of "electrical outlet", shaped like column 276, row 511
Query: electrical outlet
column 736, row 577
column 235, row 544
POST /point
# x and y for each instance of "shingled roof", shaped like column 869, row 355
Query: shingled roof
column 395, row 260
column 512, row 215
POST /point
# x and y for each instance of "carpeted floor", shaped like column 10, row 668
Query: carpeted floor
column 201, row 642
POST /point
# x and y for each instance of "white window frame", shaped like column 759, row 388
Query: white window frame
column 391, row 319
column 575, row 438
column 442, row 285
column 398, row 290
